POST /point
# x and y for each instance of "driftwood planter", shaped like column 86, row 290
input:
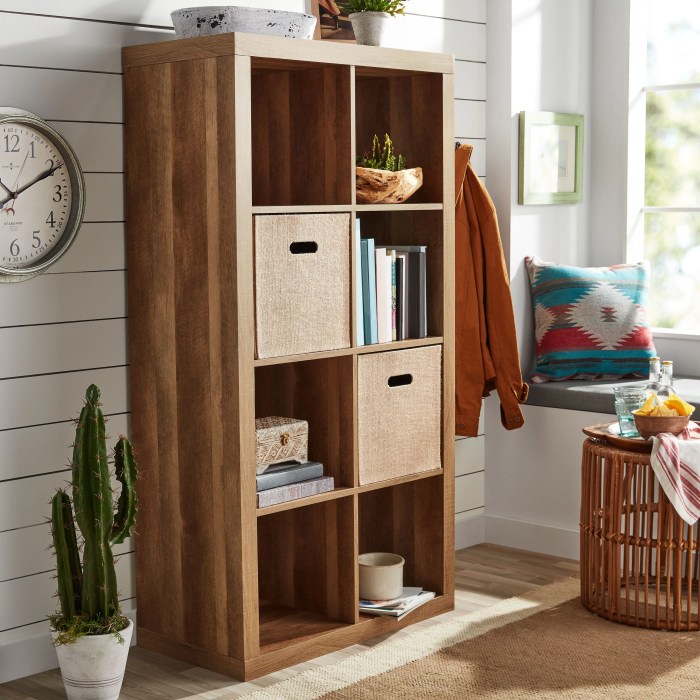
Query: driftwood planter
column 386, row 187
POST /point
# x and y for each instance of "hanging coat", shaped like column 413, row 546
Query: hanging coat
column 486, row 348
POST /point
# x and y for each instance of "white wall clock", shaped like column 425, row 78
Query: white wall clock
column 42, row 195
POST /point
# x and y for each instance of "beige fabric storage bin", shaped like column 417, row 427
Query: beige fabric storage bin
column 302, row 283
column 399, row 412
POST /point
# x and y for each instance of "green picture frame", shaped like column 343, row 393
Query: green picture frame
column 551, row 158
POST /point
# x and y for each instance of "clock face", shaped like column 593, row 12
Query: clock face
column 35, row 193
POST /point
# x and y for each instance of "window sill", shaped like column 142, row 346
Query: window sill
column 674, row 334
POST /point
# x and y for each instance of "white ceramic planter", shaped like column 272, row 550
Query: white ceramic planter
column 371, row 28
column 93, row 667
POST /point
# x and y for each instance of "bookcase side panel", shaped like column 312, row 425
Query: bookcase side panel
column 448, row 329
column 153, row 395
column 192, row 465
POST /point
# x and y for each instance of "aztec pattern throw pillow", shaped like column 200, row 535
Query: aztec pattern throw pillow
column 590, row 322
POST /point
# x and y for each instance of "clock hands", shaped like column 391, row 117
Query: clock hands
column 2, row 184
column 13, row 196
column 38, row 178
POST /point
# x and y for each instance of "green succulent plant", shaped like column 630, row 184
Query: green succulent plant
column 87, row 590
column 391, row 7
column 382, row 157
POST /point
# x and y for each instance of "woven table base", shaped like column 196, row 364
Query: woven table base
column 639, row 559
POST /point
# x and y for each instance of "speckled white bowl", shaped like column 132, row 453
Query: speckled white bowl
column 205, row 21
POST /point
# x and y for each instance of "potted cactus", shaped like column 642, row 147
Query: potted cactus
column 90, row 633
column 382, row 176
column 370, row 18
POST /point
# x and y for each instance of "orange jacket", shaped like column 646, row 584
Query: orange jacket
column 486, row 348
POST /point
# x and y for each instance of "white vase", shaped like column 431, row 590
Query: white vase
column 93, row 667
column 371, row 28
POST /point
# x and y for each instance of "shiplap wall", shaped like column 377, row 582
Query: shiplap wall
column 67, row 328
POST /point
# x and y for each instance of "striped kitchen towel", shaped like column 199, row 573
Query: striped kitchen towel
column 676, row 464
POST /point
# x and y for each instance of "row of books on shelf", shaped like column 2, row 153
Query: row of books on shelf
column 289, row 481
column 391, row 291
column 410, row 599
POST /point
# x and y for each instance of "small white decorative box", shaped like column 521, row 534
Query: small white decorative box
column 280, row 440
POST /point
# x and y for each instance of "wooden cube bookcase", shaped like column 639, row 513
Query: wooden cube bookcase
column 219, row 130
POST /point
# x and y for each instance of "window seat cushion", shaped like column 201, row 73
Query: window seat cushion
column 597, row 396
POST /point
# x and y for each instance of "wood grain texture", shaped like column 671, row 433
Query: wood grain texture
column 274, row 49
column 409, row 109
column 301, row 136
column 196, row 388
column 320, row 392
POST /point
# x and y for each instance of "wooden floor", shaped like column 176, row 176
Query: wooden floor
column 485, row 574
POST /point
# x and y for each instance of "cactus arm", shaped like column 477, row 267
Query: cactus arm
column 92, row 495
column 126, row 471
column 65, row 544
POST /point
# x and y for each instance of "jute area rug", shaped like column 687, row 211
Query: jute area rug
column 540, row 645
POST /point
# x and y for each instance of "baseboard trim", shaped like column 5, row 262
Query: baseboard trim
column 25, row 656
column 470, row 528
column 533, row 537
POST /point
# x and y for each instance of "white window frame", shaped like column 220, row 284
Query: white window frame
column 636, row 208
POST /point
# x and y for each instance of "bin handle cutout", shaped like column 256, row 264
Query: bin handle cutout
column 303, row 247
column 400, row 380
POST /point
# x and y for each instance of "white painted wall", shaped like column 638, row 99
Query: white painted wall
column 66, row 329
column 538, row 59
column 572, row 57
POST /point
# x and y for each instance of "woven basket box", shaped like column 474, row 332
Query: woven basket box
column 278, row 440
column 399, row 413
column 302, row 283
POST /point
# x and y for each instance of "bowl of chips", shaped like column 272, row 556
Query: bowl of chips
column 655, row 417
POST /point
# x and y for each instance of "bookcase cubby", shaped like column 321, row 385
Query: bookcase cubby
column 219, row 131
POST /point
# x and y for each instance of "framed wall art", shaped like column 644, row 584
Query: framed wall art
column 333, row 22
column 551, row 158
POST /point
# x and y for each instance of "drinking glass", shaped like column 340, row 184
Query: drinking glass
column 628, row 399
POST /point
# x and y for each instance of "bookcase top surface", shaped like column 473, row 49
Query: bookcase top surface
column 284, row 49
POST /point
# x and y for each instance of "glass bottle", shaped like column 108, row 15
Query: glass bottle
column 666, row 389
column 654, row 384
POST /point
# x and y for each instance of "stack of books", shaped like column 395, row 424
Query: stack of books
column 411, row 598
column 391, row 291
column 289, row 481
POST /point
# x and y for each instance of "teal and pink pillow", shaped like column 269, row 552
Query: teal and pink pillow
column 590, row 322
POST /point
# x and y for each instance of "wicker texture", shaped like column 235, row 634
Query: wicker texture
column 302, row 301
column 399, row 426
column 639, row 559
column 280, row 439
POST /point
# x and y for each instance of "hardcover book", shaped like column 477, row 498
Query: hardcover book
column 287, row 473
column 384, row 311
column 359, row 290
column 291, row 492
column 369, row 291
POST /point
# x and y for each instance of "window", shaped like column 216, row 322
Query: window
column 672, row 172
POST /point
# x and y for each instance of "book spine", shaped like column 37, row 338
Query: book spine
column 423, row 295
column 383, row 264
column 359, row 292
column 292, row 475
column 372, row 284
column 400, row 301
column 392, row 254
column 291, row 492
column 414, row 295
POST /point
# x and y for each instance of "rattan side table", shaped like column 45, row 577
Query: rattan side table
column 639, row 559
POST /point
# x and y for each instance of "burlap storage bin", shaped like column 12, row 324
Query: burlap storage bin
column 399, row 426
column 302, row 283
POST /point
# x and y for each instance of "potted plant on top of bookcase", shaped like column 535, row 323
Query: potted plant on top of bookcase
column 370, row 18
column 381, row 175
column 90, row 633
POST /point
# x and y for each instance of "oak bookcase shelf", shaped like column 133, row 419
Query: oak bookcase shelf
column 217, row 130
